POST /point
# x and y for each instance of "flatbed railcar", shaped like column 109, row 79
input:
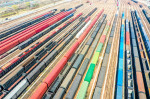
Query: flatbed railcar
column 143, row 33
column 141, row 85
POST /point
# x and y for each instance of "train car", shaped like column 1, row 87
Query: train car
column 146, row 15
column 50, row 78
column 88, row 1
column 101, row 77
column 30, row 63
column 134, row 1
column 140, row 6
column 120, row 69
column 42, row 62
column 129, row 80
column 144, row 34
column 24, row 35
column 137, row 50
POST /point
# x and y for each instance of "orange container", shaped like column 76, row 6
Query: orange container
column 140, row 46
column 40, row 91
column 102, row 40
column 140, row 82
column 6, row 66
column 127, row 38
column 139, row 39
column 142, row 54
column 138, row 35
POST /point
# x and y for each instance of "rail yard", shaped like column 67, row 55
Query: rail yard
column 87, row 49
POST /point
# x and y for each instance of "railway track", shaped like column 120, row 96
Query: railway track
column 144, row 20
column 53, row 38
column 41, row 48
column 50, row 66
column 28, row 17
column 101, row 58
column 82, row 60
column 146, row 25
column 108, row 87
column 17, row 52
column 76, row 78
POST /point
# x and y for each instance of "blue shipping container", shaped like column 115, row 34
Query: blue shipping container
column 120, row 67
column 119, row 92
column 121, row 53
column 120, row 78
column 122, row 39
